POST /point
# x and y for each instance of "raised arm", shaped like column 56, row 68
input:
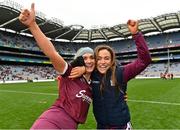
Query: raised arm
column 27, row 17
column 144, row 58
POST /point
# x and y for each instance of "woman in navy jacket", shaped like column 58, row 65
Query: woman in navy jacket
column 109, row 82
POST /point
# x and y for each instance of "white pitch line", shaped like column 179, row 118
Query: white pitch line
column 154, row 102
column 9, row 91
column 130, row 100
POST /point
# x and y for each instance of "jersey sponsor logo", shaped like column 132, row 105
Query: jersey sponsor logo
column 82, row 94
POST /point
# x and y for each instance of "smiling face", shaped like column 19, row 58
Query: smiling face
column 105, row 58
column 89, row 62
column 103, row 61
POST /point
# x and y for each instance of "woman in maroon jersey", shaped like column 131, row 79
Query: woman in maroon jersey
column 72, row 105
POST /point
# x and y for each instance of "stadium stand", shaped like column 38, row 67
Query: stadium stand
column 154, row 70
column 125, row 51
column 21, row 58
column 21, row 72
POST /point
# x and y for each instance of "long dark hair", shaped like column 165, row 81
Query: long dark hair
column 112, row 68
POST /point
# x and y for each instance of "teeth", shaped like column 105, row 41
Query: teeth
column 88, row 66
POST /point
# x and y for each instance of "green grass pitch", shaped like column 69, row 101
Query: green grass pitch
column 153, row 103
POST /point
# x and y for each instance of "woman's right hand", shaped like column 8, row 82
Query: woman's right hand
column 27, row 17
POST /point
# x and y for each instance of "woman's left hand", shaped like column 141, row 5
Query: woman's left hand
column 77, row 72
column 132, row 26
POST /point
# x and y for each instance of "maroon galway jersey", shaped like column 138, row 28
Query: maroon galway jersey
column 74, row 96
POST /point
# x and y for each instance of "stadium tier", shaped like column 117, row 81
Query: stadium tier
column 55, row 29
column 22, row 72
column 18, row 49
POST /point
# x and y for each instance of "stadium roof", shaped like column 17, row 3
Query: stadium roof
column 54, row 29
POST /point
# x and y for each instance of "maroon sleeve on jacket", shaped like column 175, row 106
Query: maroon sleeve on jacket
column 144, row 59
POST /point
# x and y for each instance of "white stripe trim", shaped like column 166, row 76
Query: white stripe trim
column 65, row 69
column 9, row 91
column 154, row 102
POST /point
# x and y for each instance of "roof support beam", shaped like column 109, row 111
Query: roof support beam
column 116, row 32
column 10, row 21
column 103, row 35
column 38, row 25
column 178, row 17
column 77, row 34
column 52, row 31
column 63, row 34
column 156, row 24
column 89, row 36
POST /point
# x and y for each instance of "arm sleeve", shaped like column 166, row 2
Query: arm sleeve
column 143, row 59
column 79, row 61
